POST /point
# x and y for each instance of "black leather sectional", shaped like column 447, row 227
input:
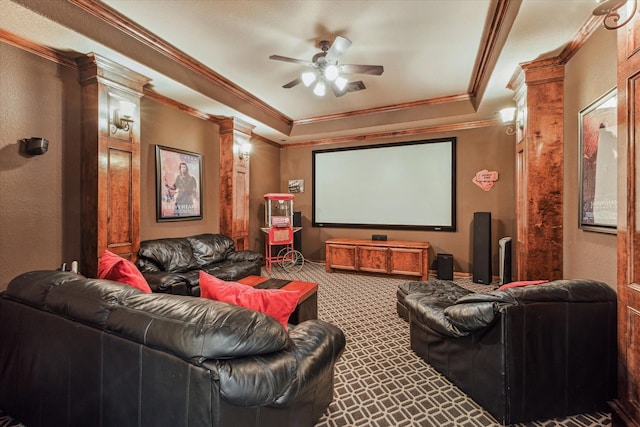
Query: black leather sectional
column 89, row 352
column 173, row 264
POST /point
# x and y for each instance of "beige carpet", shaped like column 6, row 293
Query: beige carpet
column 379, row 380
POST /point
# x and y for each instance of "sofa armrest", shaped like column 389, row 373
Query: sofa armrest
column 245, row 255
column 457, row 319
column 280, row 377
column 165, row 282
column 317, row 347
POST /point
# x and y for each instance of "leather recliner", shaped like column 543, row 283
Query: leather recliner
column 525, row 353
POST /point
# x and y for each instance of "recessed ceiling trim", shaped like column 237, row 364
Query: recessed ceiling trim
column 384, row 109
column 496, row 31
column 37, row 49
column 397, row 134
column 133, row 30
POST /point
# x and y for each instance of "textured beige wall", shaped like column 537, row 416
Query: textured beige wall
column 264, row 178
column 39, row 195
column 485, row 148
column 169, row 127
column 590, row 74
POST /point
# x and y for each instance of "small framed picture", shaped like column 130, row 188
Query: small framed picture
column 178, row 185
column 296, row 186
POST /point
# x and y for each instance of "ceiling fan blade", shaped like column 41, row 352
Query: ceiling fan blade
column 293, row 83
column 350, row 87
column 293, row 60
column 374, row 70
column 337, row 49
column 337, row 92
column 355, row 86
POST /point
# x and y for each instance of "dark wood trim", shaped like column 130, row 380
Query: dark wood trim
column 399, row 133
column 384, row 109
column 493, row 39
column 161, row 99
column 37, row 49
column 113, row 18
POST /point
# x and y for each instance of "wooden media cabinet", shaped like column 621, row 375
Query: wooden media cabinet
column 388, row 257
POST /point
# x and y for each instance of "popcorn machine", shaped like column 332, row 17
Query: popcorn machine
column 278, row 218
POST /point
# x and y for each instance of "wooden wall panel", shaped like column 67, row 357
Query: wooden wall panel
column 110, row 162
column 626, row 408
column 539, row 173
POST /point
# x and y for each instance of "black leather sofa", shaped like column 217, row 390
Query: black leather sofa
column 173, row 265
column 90, row 352
column 525, row 353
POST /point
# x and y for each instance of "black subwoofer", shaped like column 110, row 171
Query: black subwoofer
column 445, row 266
column 297, row 237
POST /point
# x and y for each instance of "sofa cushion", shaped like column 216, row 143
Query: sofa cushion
column 169, row 254
column 114, row 267
column 277, row 303
column 196, row 329
column 210, row 248
column 70, row 294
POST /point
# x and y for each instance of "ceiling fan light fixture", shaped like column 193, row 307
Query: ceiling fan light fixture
column 319, row 89
column 341, row 83
column 331, row 72
column 308, row 77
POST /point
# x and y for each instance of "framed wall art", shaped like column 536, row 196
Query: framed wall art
column 178, row 185
column 598, row 135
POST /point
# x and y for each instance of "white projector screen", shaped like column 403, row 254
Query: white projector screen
column 404, row 185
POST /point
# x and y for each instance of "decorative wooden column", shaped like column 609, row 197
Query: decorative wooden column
column 626, row 408
column 234, row 181
column 539, row 170
column 110, row 160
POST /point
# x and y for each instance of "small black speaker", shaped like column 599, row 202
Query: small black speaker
column 445, row 266
column 482, row 248
column 36, row 146
column 297, row 237
column 380, row 237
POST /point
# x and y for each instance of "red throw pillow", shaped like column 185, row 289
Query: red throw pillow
column 523, row 283
column 114, row 267
column 276, row 303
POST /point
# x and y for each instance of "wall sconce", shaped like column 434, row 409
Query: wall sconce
column 508, row 116
column 242, row 150
column 123, row 115
column 610, row 8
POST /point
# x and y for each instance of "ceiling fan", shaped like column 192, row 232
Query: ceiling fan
column 323, row 69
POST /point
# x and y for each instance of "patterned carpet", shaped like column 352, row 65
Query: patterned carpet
column 379, row 381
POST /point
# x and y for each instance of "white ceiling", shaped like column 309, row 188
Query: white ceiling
column 429, row 50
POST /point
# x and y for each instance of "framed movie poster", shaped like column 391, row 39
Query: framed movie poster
column 178, row 185
column 598, row 136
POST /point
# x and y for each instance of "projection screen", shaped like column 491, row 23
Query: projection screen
column 407, row 185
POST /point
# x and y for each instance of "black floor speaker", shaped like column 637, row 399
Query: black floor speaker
column 297, row 237
column 482, row 248
column 445, row 266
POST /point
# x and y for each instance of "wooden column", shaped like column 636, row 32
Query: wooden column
column 539, row 170
column 110, row 162
column 234, row 181
column 626, row 408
